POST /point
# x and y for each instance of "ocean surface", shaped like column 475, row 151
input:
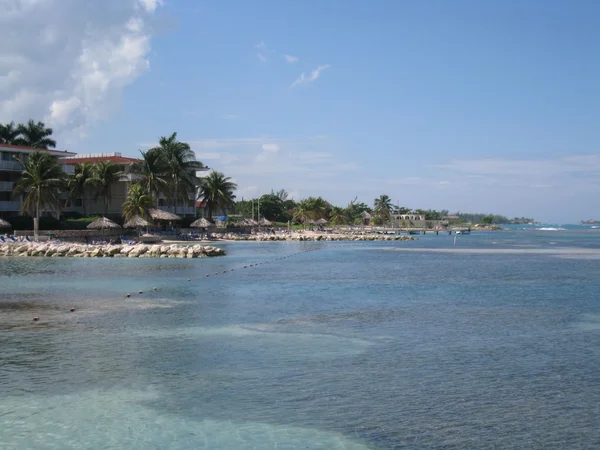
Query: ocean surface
column 494, row 343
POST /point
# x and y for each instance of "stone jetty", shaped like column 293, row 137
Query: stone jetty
column 77, row 250
column 314, row 237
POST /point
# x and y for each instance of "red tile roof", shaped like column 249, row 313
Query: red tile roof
column 22, row 147
column 93, row 159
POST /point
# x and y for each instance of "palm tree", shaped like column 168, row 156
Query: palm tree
column 217, row 191
column 35, row 135
column 78, row 181
column 9, row 133
column 383, row 207
column 41, row 182
column 137, row 203
column 180, row 166
column 338, row 216
column 149, row 171
column 104, row 175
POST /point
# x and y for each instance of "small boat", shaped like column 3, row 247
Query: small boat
column 414, row 232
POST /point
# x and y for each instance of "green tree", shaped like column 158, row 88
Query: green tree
column 355, row 209
column 78, row 181
column 488, row 220
column 9, row 133
column 137, row 203
column 180, row 167
column 41, row 182
column 338, row 216
column 217, row 191
column 382, row 207
column 149, row 172
column 104, row 175
column 312, row 208
column 35, row 135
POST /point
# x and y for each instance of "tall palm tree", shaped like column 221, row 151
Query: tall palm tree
column 217, row 191
column 41, row 182
column 104, row 175
column 35, row 135
column 9, row 133
column 78, row 181
column 137, row 203
column 383, row 207
column 180, row 166
column 150, row 173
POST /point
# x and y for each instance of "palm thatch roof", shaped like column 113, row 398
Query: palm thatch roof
column 4, row 224
column 321, row 222
column 159, row 214
column 102, row 224
column 137, row 222
column 201, row 223
column 251, row 222
column 265, row 223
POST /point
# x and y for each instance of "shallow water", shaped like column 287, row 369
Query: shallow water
column 351, row 346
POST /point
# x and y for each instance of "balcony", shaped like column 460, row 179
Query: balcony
column 10, row 206
column 11, row 165
column 7, row 186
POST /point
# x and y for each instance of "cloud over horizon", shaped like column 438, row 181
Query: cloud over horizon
column 67, row 61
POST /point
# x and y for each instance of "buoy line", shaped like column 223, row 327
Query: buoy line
column 154, row 289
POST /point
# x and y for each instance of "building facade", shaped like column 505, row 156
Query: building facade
column 10, row 172
column 92, row 204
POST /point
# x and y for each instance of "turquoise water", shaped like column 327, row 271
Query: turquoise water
column 372, row 345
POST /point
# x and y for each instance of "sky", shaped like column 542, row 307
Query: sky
column 467, row 106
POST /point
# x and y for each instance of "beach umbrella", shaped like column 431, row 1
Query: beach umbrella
column 158, row 214
column 265, row 223
column 321, row 222
column 201, row 223
column 251, row 222
column 136, row 222
column 102, row 224
column 4, row 224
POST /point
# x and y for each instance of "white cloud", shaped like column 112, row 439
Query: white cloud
column 291, row 59
column 270, row 147
column 67, row 61
column 314, row 75
column 261, row 57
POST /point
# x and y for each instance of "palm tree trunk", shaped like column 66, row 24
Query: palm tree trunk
column 36, row 221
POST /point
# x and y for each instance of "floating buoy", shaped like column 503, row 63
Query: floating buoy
column 245, row 267
column 208, row 275
column 127, row 295
column 72, row 310
column 189, row 279
column 35, row 319
column 154, row 289
column 140, row 292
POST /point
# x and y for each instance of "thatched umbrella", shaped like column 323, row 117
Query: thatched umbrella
column 136, row 222
column 202, row 223
column 265, row 223
column 4, row 224
column 321, row 222
column 251, row 222
column 102, row 224
column 159, row 214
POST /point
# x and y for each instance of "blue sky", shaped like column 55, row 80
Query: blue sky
column 470, row 106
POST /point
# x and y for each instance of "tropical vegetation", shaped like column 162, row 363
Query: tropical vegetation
column 40, row 184
column 217, row 192
column 31, row 134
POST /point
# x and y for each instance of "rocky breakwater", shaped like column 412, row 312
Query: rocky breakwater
column 316, row 237
column 75, row 250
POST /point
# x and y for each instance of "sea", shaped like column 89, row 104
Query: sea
column 483, row 341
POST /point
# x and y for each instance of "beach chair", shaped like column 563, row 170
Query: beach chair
column 2, row 239
column 12, row 239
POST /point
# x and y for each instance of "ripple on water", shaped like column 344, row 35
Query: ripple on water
column 121, row 419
